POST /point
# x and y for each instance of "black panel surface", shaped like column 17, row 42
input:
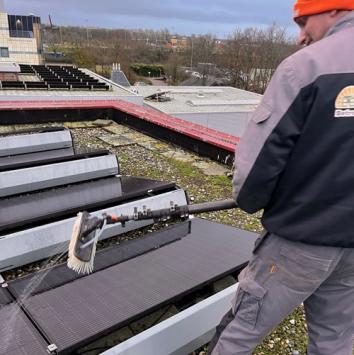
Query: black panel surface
column 61, row 274
column 22, row 210
column 17, row 334
column 32, row 130
column 99, row 303
column 134, row 186
column 59, row 159
column 37, row 156
column 5, row 297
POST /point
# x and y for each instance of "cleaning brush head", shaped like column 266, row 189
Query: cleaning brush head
column 82, row 247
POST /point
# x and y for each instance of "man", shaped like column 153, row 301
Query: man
column 296, row 161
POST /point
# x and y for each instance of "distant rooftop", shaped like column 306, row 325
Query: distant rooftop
column 199, row 99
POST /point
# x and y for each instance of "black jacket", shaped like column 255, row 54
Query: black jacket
column 296, row 157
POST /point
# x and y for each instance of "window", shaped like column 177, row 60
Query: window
column 4, row 52
column 22, row 26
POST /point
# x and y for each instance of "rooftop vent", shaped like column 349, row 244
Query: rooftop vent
column 159, row 96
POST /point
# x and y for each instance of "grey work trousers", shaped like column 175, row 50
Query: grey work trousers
column 279, row 277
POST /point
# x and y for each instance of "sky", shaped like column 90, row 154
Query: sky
column 184, row 17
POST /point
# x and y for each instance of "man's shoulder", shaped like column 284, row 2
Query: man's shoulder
column 304, row 54
column 321, row 57
column 328, row 46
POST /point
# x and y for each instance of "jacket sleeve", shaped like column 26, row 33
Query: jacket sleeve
column 265, row 146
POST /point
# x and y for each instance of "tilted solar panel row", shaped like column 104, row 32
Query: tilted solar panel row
column 70, row 312
column 44, row 240
column 26, row 69
column 57, row 173
column 41, row 198
column 14, row 160
column 54, row 84
column 40, row 231
column 59, row 159
column 52, row 204
column 105, row 258
column 35, row 85
column 55, row 77
column 24, row 210
column 22, row 142
column 33, row 145
column 10, row 84
column 58, row 86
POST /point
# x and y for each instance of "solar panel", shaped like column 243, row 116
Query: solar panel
column 58, row 159
column 50, row 238
column 99, row 303
column 52, row 77
column 20, row 211
column 56, row 174
column 32, row 157
column 61, row 274
column 33, row 130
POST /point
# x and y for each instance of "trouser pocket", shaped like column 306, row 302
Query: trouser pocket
column 302, row 265
column 248, row 302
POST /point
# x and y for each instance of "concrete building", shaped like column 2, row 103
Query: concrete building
column 20, row 38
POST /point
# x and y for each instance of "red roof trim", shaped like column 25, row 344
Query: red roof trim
column 196, row 131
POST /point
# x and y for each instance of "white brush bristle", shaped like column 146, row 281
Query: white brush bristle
column 82, row 267
column 79, row 266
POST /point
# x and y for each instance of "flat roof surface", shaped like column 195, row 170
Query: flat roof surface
column 201, row 99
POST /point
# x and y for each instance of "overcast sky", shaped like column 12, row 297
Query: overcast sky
column 219, row 17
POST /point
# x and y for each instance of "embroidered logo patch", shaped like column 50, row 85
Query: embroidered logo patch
column 345, row 103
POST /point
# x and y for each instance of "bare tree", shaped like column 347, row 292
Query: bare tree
column 247, row 58
column 250, row 56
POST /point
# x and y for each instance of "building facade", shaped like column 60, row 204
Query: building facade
column 20, row 39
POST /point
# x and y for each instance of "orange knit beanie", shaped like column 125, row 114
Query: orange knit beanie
column 312, row 7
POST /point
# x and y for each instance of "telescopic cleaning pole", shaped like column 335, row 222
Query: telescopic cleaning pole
column 87, row 228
